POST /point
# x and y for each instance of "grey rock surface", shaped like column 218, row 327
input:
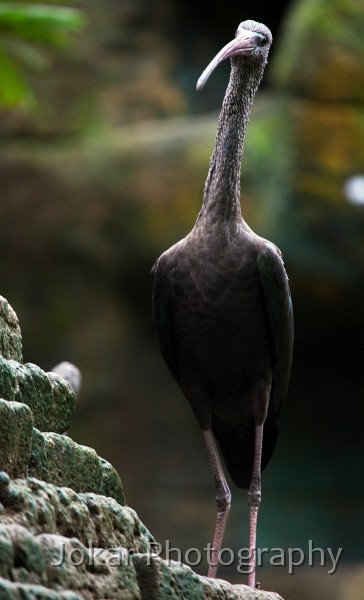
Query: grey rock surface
column 51, row 399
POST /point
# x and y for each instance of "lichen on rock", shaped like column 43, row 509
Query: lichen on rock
column 10, row 334
column 89, row 546
column 95, row 520
column 51, row 399
column 16, row 427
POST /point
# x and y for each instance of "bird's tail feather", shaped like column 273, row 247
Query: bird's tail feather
column 237, row 447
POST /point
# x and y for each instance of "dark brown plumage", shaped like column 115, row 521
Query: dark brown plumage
column 221, row 303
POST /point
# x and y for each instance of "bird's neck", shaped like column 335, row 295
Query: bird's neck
column 221, row 201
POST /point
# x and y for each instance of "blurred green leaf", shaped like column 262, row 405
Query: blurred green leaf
column 40, row 23
column 23, row 26
column 13, row 87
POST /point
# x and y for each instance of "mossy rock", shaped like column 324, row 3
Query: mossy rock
column 10, row 334
column 16, row 427
column 58, row 459
column 94, row 519
column 51, row 399
column 56, row 544
column 36, row 404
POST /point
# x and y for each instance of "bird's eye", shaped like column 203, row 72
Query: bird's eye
column 263, row 39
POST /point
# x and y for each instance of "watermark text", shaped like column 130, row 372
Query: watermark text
column 289, row 558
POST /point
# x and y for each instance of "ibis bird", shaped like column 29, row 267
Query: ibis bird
column 222, row 308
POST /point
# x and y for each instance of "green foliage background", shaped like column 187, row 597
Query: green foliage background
column 24, row 28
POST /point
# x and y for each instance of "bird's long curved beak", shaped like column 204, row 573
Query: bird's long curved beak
column 245, row 42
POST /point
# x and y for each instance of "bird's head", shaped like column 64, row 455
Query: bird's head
column 252, row 42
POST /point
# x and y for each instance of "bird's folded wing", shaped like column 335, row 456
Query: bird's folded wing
column 278, row 302
column 162, row 314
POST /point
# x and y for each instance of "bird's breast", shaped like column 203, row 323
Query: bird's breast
column 219, row 311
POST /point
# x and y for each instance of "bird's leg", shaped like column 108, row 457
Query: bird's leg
column 223, row 500
column 253, row 498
